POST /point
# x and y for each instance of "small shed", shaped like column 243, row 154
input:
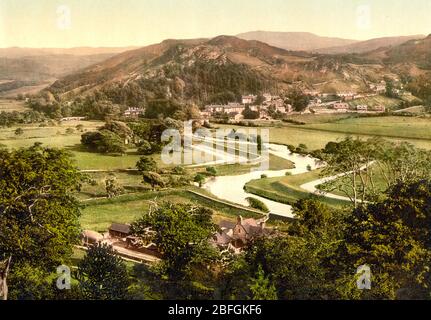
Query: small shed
column 119, row 230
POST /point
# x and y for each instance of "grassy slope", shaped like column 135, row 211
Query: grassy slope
column 287, row 189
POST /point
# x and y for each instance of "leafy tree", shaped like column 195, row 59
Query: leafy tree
column 80, row 127
column 39, row 217
column 298, row 99
column 211, row 171
column 200, row 179
column 120, row 129
column 69, row 131
column 393, row 238
column 145, row 148
column 113, row 188
column 102, row 275
column 261, row 288
column 250, row 114
column 181, row 233
column 28, row 282
column 103, row 141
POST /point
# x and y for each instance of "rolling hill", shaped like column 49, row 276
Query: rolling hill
column 296, row 41
column 369, row 45
column 201, row 69
column 208, row 70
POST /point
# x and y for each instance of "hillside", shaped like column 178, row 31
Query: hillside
column 202, row 70
column 369, row 45
column 296, row 41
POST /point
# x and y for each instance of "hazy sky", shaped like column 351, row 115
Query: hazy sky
column 71, row 23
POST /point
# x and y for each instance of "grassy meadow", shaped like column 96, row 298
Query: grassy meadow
column 287, row 189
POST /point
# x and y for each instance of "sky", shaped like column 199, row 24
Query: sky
column 114, row 23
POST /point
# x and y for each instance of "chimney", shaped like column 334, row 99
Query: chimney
column 239, row 220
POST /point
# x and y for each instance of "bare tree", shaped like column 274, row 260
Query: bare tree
column 4, row 271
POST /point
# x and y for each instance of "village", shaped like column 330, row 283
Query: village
column 230, row 237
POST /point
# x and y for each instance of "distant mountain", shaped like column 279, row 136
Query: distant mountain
column 369, row 45
column 30, row 68
column 17, row 52
column 296, row 41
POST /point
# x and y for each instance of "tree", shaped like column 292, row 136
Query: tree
column 250, row 114
column 80, row 127
column 298, row 100
column 120, row 129
column 392, row 237
column 146, row 164
column 145, row 148
column 39, row 216
column 28, row 282
column 350, row 158
column 359, row 161
column 103, row 141
column 113, row 188
column 200, row 179
column 211, row 171
column 181, row 233
column 102, row 275
column 261, row 287
column 19, row 132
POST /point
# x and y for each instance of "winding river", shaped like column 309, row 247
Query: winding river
column 230, row 188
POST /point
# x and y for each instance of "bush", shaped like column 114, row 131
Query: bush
column 145, row 148
column 257, row 204
column 263, row 176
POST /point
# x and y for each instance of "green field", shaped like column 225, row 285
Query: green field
column 287, row 189
column 317, row 132
column 99, row 214
column 391, row 126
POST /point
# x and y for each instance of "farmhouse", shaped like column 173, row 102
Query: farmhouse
column 249, row 99
column 235, row 236
column 362, row 107
column 134, row 112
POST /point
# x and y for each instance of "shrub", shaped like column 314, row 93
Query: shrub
column 257, row 204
